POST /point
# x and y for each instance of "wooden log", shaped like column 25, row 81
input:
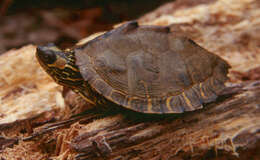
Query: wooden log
column 228, row 127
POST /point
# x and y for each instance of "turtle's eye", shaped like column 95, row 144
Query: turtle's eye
column 46, row 54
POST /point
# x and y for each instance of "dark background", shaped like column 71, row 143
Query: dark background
column 63, row 22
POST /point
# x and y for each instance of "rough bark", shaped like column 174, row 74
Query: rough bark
column 227, row 128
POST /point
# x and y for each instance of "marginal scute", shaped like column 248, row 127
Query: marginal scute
column 102, row 87
column 176, row 103
column 186, row 104
column 208, row 93
column 151, row 70
column 120, row 97
column 138, row 104
column 191, row 98
column 158, row 105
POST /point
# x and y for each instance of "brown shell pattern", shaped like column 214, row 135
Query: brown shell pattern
column 151, row 69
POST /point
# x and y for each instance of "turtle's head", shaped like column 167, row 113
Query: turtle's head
column 60, row 65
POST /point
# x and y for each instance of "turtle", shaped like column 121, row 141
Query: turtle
column 144, row 68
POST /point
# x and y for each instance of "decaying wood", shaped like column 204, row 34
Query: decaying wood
column 7, row 142
column 230, row 125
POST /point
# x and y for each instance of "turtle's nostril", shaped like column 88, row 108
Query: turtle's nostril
column 46, row 54
column 40, row 50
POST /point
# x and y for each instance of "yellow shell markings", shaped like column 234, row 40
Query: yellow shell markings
column 130, row 99
column 201, row 92
column 168, row 105
column 187, row 101
column 149, row 100
column 115, row 91
column 215, row 87
column 149, row 104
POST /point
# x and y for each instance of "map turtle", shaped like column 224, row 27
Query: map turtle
column 148, row 69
